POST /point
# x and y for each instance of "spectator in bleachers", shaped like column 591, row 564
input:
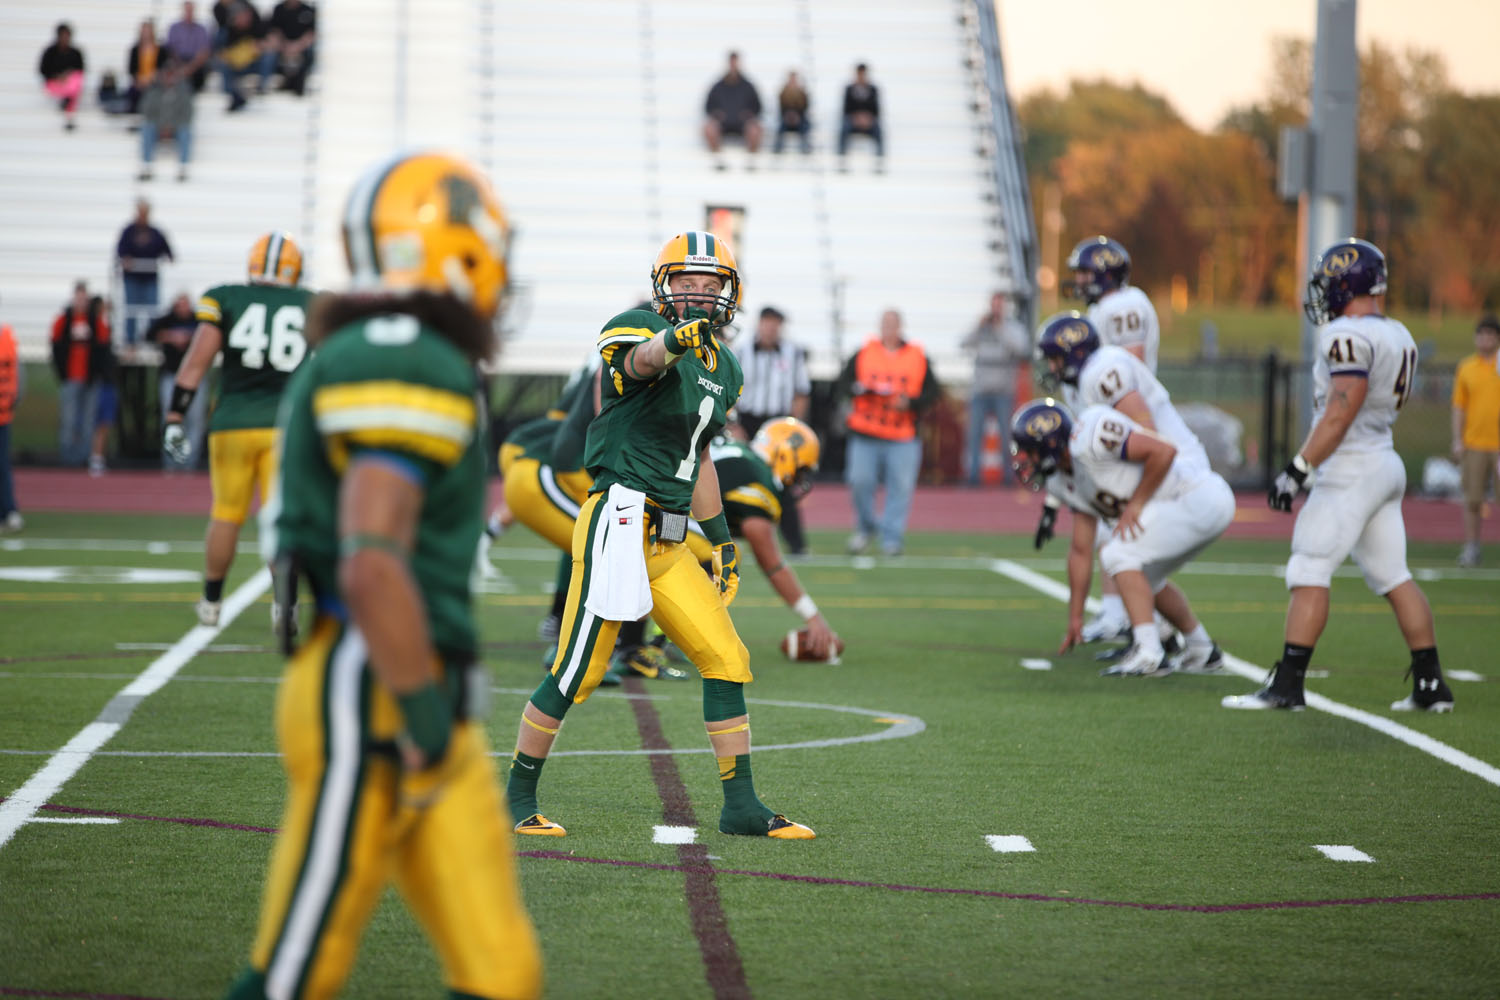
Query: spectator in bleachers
column 292, row 38
column 62, row 73
column 142, row 64
column 172, row 331
column 862, row 112
column 81, row 356
column 139, row 253
column 167, row 106
column 792, row 104
column 191, row 45
column 1000, row 342
column 112, row 100
column 733, row 109
column 889, row 384
column 10, row 395
column 242, row 50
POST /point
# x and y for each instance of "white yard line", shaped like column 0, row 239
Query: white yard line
column 1379, row 723
column 22, row 805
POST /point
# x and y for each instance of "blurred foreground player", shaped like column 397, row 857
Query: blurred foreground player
column 379, row 715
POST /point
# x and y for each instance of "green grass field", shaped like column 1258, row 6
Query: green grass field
column 1131, row 792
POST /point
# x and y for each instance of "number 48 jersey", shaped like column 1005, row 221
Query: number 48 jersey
column 1380, row 349
column 1103, row 479
column 263, row 345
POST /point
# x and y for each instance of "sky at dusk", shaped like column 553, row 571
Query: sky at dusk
column 1207, row 57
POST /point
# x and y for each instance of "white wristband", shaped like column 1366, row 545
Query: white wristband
column 805, row 607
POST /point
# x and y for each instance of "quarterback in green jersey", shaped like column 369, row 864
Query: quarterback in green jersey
column 258, row 328
column 380, row 720
column 667, row 384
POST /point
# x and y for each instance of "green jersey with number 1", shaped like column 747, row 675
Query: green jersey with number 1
column 649, row 432
column 261, row 327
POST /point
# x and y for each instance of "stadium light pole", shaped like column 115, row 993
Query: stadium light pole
column 1317, row 165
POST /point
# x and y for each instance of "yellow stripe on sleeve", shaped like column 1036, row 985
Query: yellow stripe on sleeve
column 757, row 496
column 208, row 310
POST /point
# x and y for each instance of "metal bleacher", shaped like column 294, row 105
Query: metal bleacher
column 587, row 113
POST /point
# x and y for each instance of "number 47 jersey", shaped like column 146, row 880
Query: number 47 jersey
column 262, row 343
column 1379, row 349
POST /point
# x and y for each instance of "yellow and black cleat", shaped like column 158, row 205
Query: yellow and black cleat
column 784, row 829
column 646, row 661
column 537, row 825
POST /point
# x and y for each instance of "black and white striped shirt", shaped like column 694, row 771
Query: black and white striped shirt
column 773, row 376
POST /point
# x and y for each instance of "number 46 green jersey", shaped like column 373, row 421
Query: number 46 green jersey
column 262, row 330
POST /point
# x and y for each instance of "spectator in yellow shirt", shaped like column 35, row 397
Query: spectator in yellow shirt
column 1476, row 427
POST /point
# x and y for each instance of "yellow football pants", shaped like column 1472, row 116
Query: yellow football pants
column 685, row 603
column 544, row 500
column 238, row 462
column 354, row 822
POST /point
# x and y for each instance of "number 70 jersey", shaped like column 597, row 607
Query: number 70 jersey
column 261, row 327
column 1376, row 348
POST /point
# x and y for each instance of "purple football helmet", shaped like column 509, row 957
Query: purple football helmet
column 1038, row 438
column 1099, row 265
column 1345, row 270
column 1070, row 338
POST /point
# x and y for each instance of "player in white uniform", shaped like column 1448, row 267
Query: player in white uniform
column 1092, row 374
column 1122, row 313
column 1161, row 508
column 1364, row 372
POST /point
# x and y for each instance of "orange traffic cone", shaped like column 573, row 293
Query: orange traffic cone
column 990, row 470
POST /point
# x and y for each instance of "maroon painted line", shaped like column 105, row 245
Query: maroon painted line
column 184, row 820
column 721, row 959
column 18, row 991
column 1033, row 897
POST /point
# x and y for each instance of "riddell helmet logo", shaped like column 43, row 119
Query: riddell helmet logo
column 1042, row 424
column 700, row 260
column 1339, row 261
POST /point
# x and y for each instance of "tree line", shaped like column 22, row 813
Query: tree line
column 1200, row 211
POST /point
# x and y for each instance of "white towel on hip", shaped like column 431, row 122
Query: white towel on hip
column 619, row 587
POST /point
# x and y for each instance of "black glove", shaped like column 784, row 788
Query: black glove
column 1044, row 529
column 1288, row 484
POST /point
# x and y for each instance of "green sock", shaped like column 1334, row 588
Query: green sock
column 740, row 800
column 520, row 784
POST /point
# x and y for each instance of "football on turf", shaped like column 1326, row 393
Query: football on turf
column 794, row 645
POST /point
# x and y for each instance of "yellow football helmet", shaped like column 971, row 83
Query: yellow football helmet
column 428, row 221
column 696, row 252
column 275, row 259
column 791, row 449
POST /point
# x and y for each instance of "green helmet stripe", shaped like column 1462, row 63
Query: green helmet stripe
column 713, row 251
column 692, row 243
column 273, row 257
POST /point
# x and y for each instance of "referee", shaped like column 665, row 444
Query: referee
column 776, row 385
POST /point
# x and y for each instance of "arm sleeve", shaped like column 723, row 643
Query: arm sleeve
column 1105, row 434
column 615, row 341
column 1346, row 351
column 845, row 384
column 801, row 384
column 875, row 101
column 929, row 392
column 209, row 310
column 426, row 425
column 1460, row 390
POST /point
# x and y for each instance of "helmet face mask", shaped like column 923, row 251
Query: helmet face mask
column 696, row 252
column 1099, row 265
column 429, row 221
column 1039, row 440
column 791, row 449
column 1348, row 269
column 1063, row 343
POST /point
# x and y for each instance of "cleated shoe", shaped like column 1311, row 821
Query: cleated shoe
column 1113, row 654
column 764, row 825
column 208, row 612
column 549, row 628
column 1428, row 694
column 646, row 661
column 1103, row 627
column 537, row 825
column 1266, row 698
column 291, row 622
column 1198, row 660
column 1139, row 663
